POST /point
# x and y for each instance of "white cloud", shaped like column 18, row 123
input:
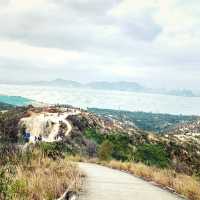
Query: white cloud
column 23, row 5
column 179, row 20
column 21, row 51
column 120, row 39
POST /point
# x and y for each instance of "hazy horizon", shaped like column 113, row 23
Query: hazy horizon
column 145, row 86
column 112, row 99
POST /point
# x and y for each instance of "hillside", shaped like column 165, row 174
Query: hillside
column 5, row 106
column 60, row 131
column 82, row 132
column 186, row 128
column 160, row 123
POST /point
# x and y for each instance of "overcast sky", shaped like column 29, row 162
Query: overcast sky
column 153, row 42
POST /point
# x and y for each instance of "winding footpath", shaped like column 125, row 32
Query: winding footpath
column 37, row 125
column 103, row 183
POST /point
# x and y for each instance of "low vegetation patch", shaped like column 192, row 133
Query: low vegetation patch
column 122, row 148
column 105, row 151
column 120, row 142
column 35, row 175
column 152, row 154
column 9, row 124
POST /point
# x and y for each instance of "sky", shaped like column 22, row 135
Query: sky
column 153, row 42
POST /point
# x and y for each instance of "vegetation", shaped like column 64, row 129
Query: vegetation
column 53, row 150
column 105, row 151
column 34, row 175
column 159, row 152
column 165, row 160
column 124, row 149
column 159, row 123
column 9, row 124
column 5, row 106
column 121, row 147
column 93, row 134
column 152, row 154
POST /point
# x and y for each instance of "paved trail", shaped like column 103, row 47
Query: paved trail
column 107, row 184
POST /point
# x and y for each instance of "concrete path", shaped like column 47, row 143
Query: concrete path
column 103, row 183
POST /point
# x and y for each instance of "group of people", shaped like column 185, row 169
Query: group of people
column 27, row 136
column 38, row 139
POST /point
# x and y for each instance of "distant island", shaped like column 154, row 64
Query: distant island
column 104, row 85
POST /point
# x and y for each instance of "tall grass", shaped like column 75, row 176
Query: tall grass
column 36, row 176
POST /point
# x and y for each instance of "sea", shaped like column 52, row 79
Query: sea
column 84, row 98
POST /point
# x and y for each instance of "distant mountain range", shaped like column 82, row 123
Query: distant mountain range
column 103, row 85
column 121, row 86
column 57, row 82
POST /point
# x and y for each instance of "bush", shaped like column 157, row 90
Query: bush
column 9, row 122
column 121, row 144
column 94, row 135
column 4, row 182
column 105, row 151
column 18, row 187
column 6, row 176
column 9, row 154
column 122, row 148
column 152, row 154
column 52, row 150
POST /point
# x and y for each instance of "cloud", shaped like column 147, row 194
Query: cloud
column 119, row 39
column 50, row 56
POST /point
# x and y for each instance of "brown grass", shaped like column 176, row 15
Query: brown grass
column 182, row 184
column 44, row 179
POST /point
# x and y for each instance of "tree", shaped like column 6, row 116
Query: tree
column 105, row 151
column 152, row 154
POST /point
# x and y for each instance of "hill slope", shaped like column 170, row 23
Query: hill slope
column 154, row 122
column 5, row 106
column 89, row 132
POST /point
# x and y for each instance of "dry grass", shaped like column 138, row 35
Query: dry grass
column 182, row 184
column 44, row 179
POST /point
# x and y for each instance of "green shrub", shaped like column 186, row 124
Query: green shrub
column 18, row 189
column 94, row 135
column 121, row 144
column 53, row 150
column 152, row 154
column 9, row 124
column 122, row 148
column 5, row 183
column 105, row 151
